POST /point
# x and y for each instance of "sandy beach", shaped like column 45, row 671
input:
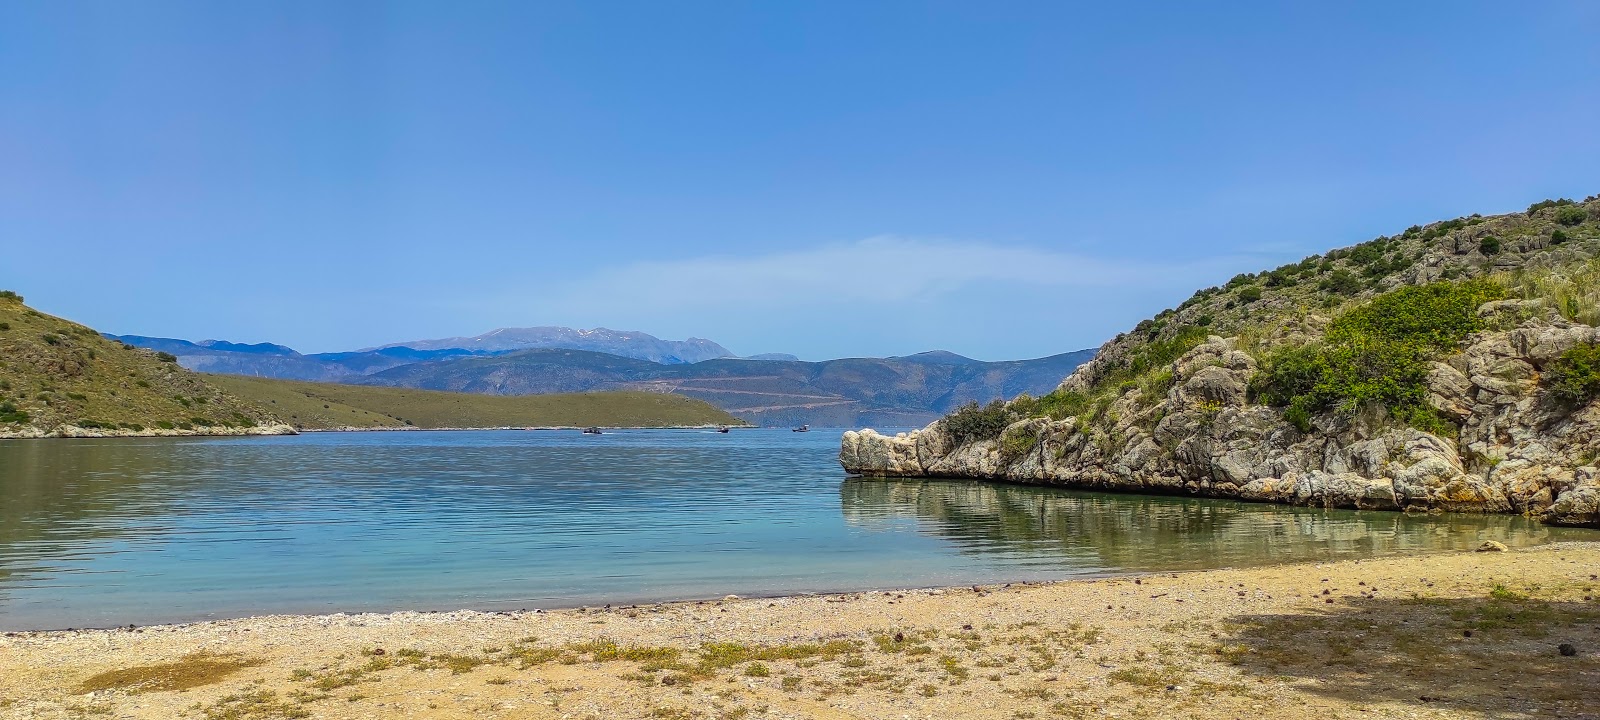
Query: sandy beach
column 1460, row 635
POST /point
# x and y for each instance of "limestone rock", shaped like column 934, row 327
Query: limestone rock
column 1518, row 450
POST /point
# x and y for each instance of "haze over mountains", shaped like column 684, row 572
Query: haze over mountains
column 770, row 389
column 614, row 342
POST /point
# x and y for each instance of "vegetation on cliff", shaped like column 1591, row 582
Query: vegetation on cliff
column 1575, row 376
column 1353, row 328
column 1377, row 352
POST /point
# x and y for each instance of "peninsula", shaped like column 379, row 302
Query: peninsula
column 1453, row 366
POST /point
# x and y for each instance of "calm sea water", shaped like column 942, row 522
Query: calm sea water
column 106, row 532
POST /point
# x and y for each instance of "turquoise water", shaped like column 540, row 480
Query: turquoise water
column 107, row 532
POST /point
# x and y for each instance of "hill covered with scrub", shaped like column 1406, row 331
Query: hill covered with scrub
column 1452, row 366
column 325, row 406
column 60, row 378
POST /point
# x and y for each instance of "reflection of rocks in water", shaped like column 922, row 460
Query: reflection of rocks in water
column 1154, row 532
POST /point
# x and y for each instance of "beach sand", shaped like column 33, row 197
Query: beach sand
column 1461, row 635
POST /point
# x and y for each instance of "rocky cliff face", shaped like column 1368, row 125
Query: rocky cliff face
column 1519, row 448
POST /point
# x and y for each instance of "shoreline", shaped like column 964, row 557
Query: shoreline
column 1459, row 634
column 73, row 432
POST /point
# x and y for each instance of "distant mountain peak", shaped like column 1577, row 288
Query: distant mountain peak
column 626, row 343
column 939, row 357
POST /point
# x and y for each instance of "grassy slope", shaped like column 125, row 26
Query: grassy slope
column 59, row 372
column 322, row 406
column 1295, row 302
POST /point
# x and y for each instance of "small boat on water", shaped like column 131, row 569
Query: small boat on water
column 592, row 431
column 722, row 429
column 803, row 428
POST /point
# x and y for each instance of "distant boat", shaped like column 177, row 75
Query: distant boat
column 722, row 429
column 803, row 428
column 591, row 431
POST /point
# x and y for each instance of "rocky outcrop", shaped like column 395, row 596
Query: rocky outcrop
column 1519, row 449
column 72, row 431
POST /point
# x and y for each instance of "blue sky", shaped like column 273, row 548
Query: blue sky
column 1003, row 180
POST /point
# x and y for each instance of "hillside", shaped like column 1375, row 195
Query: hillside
column 278, row 361
column 1453, row 366
column 889, row 391
column 772, row 389
column 60, row 378
column 324, row 406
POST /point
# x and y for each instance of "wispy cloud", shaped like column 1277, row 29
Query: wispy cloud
column 880, row 295
column 884, row 269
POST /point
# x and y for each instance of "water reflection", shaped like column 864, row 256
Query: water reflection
column 1053, row 527
column 108, row 532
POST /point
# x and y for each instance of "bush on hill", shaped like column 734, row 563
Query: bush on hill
column 10, row 295
column 1542, row 204
column 1490, row 245
column 1572, row 215
column 1575, row 376
column 10, row 414
column 1376, row 353
column 977, row 422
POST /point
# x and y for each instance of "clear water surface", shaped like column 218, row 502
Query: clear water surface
column 107, row 532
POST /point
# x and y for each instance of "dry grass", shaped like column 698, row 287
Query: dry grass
column 1574, row 289
column 192, row 671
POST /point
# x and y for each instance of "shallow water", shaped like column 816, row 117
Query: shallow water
column 106, row 532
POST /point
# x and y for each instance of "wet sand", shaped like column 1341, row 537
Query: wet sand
column 1459, row 635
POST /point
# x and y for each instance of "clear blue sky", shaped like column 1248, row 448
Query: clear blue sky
column 856, row 178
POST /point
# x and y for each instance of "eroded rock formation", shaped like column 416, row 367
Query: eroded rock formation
column 1519, row 448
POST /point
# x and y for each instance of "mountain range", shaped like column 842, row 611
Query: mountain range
column 769, row 389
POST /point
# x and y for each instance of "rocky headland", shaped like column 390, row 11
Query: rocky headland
column 1366, row 378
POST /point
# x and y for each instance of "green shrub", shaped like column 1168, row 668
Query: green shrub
column 51, row 339
column 1298, row 416
column 1438, row 315
column 1489, row 245
column 1557, row 236
column 164, row 425
column 10, row 414
column 1441, row 229
column 1160, row 353
column 1342, row 282
column 1542, row 204
column 1572, row 215
column 1062, row 404
column 977, row 422
column 1250, row 293
column 1376, row 353
column 10, row 295
column 1575, row 376
column 202, row 422
column 166, row 357
column 1018, row 442
column 5, row 326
